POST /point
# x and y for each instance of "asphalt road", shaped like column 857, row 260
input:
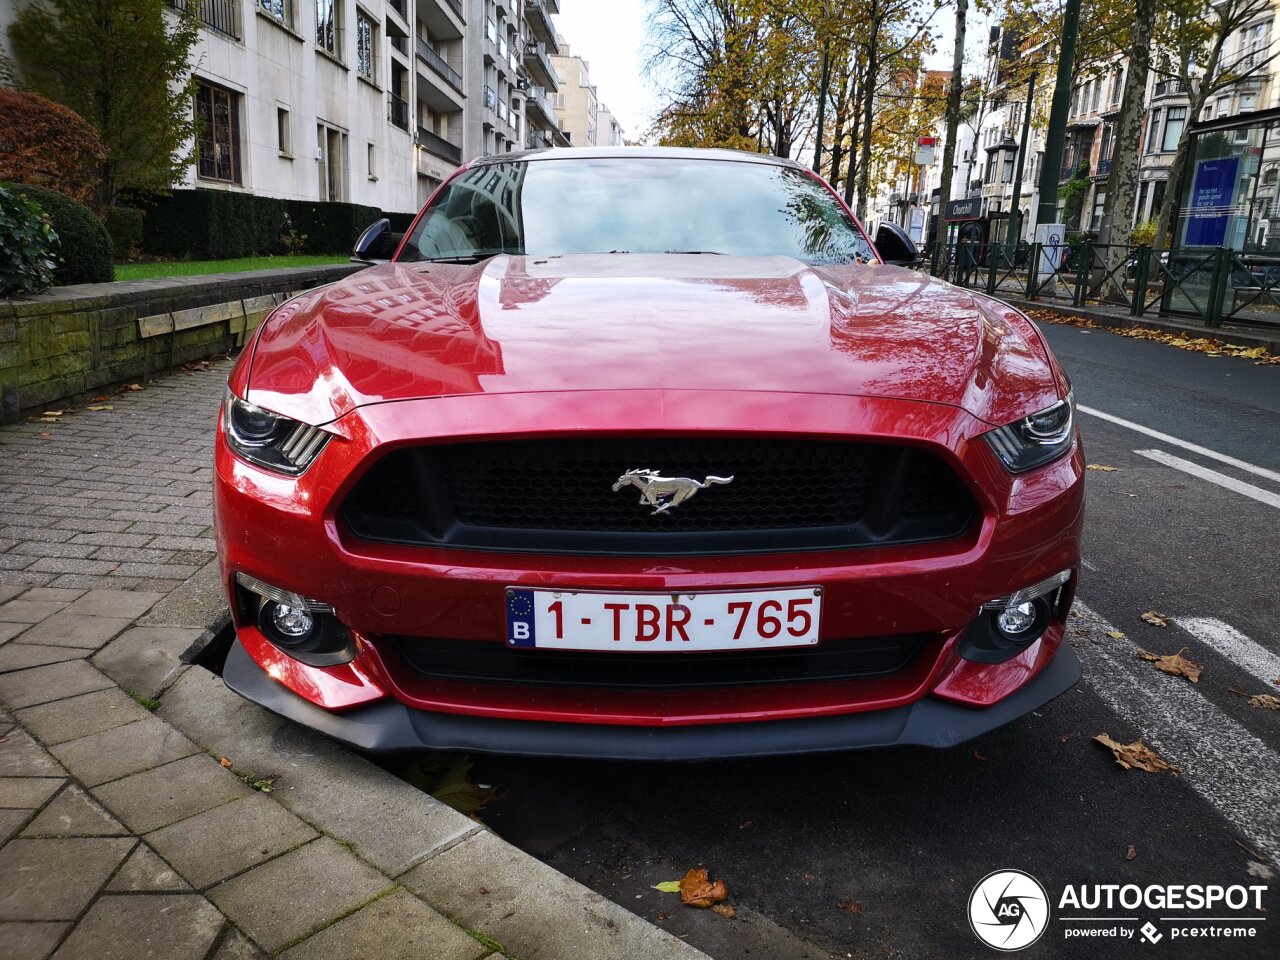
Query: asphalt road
column 874, row 854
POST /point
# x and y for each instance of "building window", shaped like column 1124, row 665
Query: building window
column 1153, row 131
column 1097, row 95
column 366, row 46
column 218, row 117
column 329, row 26
column 281, row 10
column 1175, row 120
column 1117, row 87
column 1006, row 173
column 284, row 135
column 332, row 162
column 1099, row 204
column 371, row 161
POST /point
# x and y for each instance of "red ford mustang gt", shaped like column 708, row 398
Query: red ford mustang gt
column 647, row 453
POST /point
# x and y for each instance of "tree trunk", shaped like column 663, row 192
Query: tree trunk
column 868, row 107
column 1122, row 182
column 855, row 123
column 953, row 129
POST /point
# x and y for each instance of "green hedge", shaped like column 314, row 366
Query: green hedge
column 217, row 224
column 84, row 252
column 124, row 227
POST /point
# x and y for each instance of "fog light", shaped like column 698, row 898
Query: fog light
column 294, row 622
column 1017, row 620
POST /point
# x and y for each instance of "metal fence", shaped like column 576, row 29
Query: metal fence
column 1210, row 284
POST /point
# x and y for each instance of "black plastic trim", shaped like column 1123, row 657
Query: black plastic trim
column 391, row 726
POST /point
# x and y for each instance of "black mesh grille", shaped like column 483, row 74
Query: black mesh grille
column 487, row 662
column 558, row 496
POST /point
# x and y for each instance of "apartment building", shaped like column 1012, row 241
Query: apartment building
column 609, row 131
column 365, row 101
column 577, row 104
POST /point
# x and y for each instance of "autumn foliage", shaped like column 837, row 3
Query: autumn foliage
column 45, row 144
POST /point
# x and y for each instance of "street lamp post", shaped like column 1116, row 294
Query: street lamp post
column 1047, row 212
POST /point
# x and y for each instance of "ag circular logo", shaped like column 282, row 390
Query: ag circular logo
column 1008, row 910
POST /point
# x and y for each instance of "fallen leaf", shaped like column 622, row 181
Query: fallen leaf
column 697, row 890
column 1155, row 619
column 853, row 906
column 1174, row 663
column 134, row 387
column 1266, row 701
column 52, row 413
column 100, row 399
column 668, row 886
column 1116, row 634
column 810, row 876
column 45, row 433
column 1103, row 467
column 483, row 891
column 1132, row 854
column 225, row 761
column 1066, row 736
column 745, row 825
column 1136, row 755
column 979, row 756
column 100, row 406
column 661, row 917
column 724, row 910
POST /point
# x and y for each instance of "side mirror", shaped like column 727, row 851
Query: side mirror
column 376, row 245
column 896, row 246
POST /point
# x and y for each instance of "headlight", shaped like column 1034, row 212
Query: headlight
column 1035, row 440
column 268, row 439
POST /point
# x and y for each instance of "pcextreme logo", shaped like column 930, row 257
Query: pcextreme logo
column 1008, row 910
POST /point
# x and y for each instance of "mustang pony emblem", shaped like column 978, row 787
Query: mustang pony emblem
column 663, row 493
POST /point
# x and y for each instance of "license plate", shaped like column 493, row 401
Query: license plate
column 663, row 622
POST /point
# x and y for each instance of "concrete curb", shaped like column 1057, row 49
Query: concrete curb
column 456, row 865
column 1123, row 321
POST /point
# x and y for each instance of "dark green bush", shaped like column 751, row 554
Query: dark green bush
column 124, row 227
column 331, row 227
column 28, row 246
column 212, row 225
column 84, row 253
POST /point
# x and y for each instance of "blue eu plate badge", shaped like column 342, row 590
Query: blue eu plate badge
column 520, row 618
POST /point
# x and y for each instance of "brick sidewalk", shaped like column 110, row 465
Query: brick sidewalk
column 115, row 499
column 122, row 835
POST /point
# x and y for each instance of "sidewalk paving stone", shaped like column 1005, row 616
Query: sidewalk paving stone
column 156, row 798
column 74, row 814
column 154, row 926
column 11, row 822
column 145, row 872
column 10, row 630
column 115, row 603
column 67, row 628
column 145, row 659
column 296, row 894
column 21, row 756
column 31, row 793
column 29, row 611
column 30, row 941
column 236, row 946
column 126, row 750
column 76, row 717
column 229, row 839
column 419, row 932
column 26, row 688
column 21, row 656
column 55, row 879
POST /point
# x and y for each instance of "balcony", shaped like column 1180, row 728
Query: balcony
column 401, row 7
column 1168, row 88
column 1103, row 168
column 399, row 112
column 438, row 63
column 539, row 20
column 217, row 15
column 536, row 104
column 538, row 61
column 435, row 144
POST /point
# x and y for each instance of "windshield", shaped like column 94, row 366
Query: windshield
column 636, row 205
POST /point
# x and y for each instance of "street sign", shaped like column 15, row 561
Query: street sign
column 924, row 151
column 969, row 208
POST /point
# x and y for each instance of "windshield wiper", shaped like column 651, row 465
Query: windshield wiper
column 468, row 258
column 709, row 253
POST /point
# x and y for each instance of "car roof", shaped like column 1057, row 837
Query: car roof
column 666, row 153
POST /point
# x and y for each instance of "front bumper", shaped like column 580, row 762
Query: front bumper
column 288, row 532
column 390, row 725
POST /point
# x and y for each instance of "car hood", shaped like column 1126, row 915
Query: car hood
column 516, row 324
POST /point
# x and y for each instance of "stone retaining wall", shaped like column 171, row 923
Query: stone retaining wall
column 73, row 341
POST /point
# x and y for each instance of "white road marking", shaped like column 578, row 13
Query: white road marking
column 1213, row 476
column 1250, row 657
column 1185, row 445
column 1221, row 761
